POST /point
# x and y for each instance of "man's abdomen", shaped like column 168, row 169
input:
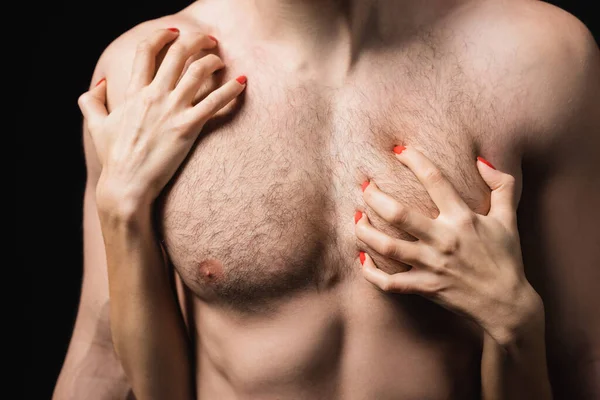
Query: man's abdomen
column 348, row 343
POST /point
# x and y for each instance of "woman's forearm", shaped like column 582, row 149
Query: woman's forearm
column 516, row 368
column 144, row 311
column 140, row 144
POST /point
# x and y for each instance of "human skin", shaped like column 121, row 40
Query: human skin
column 469, row 264
column 140, row 146
column 456, row 256
column 491, row 78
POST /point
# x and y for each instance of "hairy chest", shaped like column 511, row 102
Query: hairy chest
column 264, row 205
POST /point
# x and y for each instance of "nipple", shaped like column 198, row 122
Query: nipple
column 210, row 269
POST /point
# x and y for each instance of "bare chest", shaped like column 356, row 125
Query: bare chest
column 264, row 205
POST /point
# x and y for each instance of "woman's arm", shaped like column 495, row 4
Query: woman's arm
column 470, row 264
column 516, row 369
column 140, row 145
column 147, row 329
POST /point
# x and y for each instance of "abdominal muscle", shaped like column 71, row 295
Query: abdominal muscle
column 348, row 343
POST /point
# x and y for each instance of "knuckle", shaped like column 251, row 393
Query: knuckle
column 399, row 286
column 144, row 47
column 433, row 175
column 211, row 103
column 391, row 287
column 201, row 116
column 509, row 180
column 399, row 214
column 179, row 50
column 430, row 287
column 179, row 124
column 151, row 97
column 387, row 285
column 388, row 247
column 83, row 99
column 212, row 59
column 200, row 41
column 439, row 265
column 508, row 183
column 448, row 245
column 205, row 65
column 198, row 69
column 467, row 219
column 182, row 126
column 413, row 254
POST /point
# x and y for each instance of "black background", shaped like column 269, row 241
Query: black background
column 51, row 171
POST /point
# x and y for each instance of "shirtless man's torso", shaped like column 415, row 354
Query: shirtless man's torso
column 258, row 223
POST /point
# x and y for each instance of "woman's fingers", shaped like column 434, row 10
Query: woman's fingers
column 172, row 66
column 441, row 191
column 504, row 199
column 144, row 63
column 409, row 282
column 195, row 76
column 397, row 249
column 93, row 104
column 396, row 214
column 216, row 100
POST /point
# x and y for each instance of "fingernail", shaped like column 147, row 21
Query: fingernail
column 399, row 149
column 486, row 162
column 241, row 79
column 357, row 216
column 100, row 81
column 364, row 185
column 213, row 38
column 173, row 30
column 361, row 256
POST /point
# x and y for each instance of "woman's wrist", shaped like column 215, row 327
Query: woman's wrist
column 524, row 321
column 120, row 205
column 124, row 212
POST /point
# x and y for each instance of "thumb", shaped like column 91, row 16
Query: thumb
column 503, row 200
column 92, row 104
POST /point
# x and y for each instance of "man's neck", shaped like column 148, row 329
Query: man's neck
column 329, row 29
column 307, row 19
column 320, row 20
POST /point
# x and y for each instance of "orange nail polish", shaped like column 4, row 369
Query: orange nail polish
column 173, row 30
column 364, row 185
column 241, row 79
column 100, row 81
column 357, row 216
column 361, row 256
column 399, row 149
column 486, row 162
column 213, row 38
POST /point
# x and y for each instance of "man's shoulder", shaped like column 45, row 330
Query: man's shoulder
column 125, row 44
column 526, row 29
column 541, row 59
column 116, row 60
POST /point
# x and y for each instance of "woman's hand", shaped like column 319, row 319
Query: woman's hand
column 466, row 262
column 142, row 143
